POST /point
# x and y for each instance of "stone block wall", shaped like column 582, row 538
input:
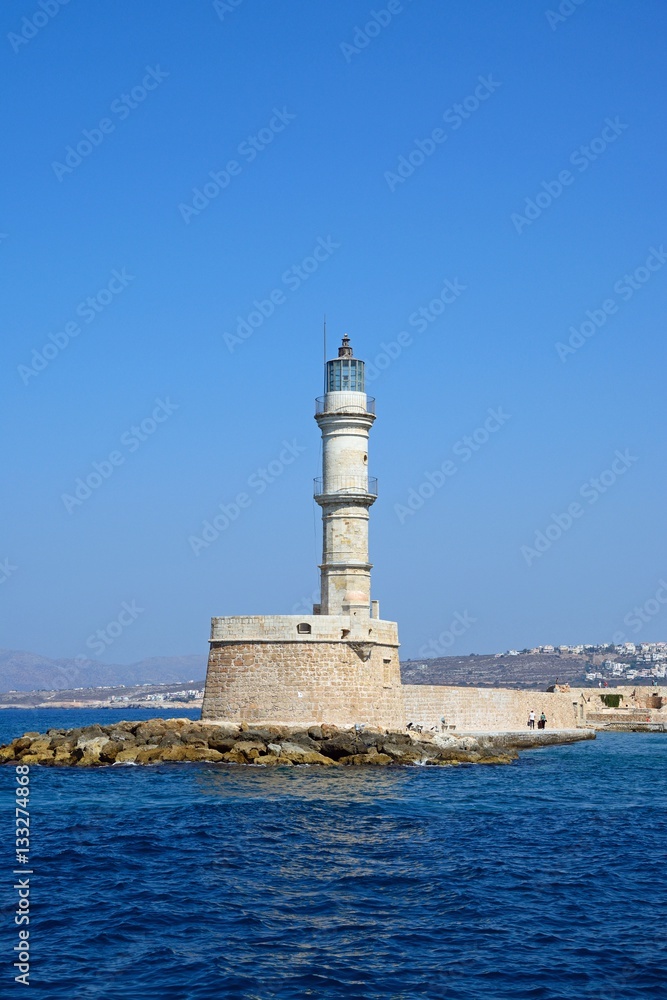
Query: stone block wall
column 304, row 682
column 486, row 709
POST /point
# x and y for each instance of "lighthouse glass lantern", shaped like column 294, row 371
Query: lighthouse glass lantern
column 345, row 373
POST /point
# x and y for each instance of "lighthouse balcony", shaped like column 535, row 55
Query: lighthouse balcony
column 339, row 487
column 345, row 402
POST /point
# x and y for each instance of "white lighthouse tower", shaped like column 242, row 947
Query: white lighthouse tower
column 339, row 665
column 345, row 492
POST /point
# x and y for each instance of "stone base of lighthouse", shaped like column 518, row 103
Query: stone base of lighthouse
column 291, row 670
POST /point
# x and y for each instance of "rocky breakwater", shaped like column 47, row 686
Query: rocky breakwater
column 158, row 741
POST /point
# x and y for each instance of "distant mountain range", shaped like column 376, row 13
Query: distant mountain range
column 21, row 671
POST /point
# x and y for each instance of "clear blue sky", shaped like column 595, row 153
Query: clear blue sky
column 169, row 93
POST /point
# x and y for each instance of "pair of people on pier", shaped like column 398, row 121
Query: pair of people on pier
column 541, row 722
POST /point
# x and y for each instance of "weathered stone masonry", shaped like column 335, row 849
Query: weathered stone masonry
column 270, row 672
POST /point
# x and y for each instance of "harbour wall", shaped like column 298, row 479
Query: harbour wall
column 487, row 709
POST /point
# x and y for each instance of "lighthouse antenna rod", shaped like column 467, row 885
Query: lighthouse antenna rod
column 325, row 353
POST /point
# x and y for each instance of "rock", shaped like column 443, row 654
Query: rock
column 394, row 739
column 7, row 754
column 259, row 735
column 110, row 750
column 128, row 756
column 446, row 742
column 275, row 748
column 92, row 744
column 150, row 732
column 60, row 741
column 301, row 738
column 401, row 754
column 194, row 739
column 235, row 757
column 193, row 753
column 468, row 743
column 91, row 733
column 270, row 760
column 367, row 759
column 87, row 760
column 175, row 752
column 88, row 749
column 222, row 743
column 148, row 754
column 249, row 748
column 499, row 758
column 303, row 755
column 315, row 733
column 170, row 739
column 38, row 758
column 342, row 745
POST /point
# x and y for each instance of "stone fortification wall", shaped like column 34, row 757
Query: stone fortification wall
column 262, row 670
column 486, row 709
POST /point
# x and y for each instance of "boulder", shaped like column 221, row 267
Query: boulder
column 301, row 738
column 222, row 743
column 148, row 754
column 110, row 750
column 188, row 753
column 170, row 739
column 194, row 739
column 270, row 760
column 402, row 754
column 88, row 749
column 249, row 748
column 342, row 745
column 62, row 741
column 259, row 735
column 395, row 739
column 46, row 757
column 298, row 754
column 364, row 759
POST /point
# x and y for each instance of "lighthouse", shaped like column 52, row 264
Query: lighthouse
column 339, row 665
column 345, row 491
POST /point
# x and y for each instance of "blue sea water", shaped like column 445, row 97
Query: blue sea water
column 542, row 879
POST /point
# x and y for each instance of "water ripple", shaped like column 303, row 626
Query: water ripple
column 538, row 880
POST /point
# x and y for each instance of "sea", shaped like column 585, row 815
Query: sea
column 540, row 879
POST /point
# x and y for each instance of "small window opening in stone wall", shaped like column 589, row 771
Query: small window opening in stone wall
column 304, row 628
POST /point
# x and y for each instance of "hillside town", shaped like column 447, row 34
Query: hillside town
column 645, row 662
